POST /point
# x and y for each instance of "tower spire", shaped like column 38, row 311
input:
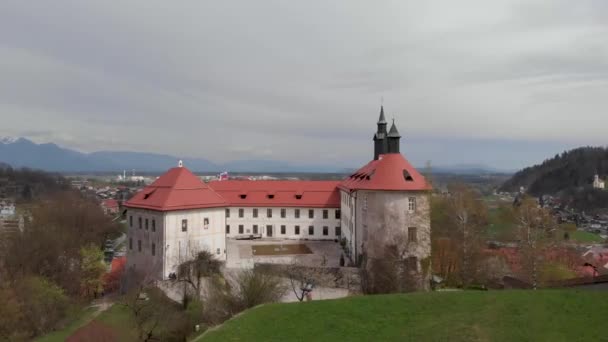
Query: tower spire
column 393, row 138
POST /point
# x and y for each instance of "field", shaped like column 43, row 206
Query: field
column 547, row 315
column 585, row 237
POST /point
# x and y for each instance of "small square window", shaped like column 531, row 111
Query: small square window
column 218, row 251
column 268, row 212
column 311, row 230
column 227, row 213
column 296, row 230
column 283, row 230
column 206, row 223
column 337, row 214
column 283, row 213
column 311, row 213
column 412, row 264
column 241, row 229
column 241, row 212
column 297, row 213
column 255, row 229
column 184, row 225
column 227, row 229
column 338, row 231
column 255, row 212
column 325, row 214
column 411, row 205
column 325, row 230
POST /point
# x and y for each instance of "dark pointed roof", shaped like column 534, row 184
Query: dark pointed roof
column 394, row 133
column 382, row 119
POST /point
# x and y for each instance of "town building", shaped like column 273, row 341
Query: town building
column 386, row 202
column 110, row 206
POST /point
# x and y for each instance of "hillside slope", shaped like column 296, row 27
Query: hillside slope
column 548, row 315
column 570, row 170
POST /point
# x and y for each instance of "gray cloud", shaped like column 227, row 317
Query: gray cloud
column 302, row 81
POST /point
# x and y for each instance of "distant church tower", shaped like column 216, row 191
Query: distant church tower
column 380, row 138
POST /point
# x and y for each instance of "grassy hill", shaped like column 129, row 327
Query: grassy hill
column 547, row 315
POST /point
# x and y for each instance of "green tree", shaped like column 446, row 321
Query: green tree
column 92, row 270
column 44, row 303
column 191, row 272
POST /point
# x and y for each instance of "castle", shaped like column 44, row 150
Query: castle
column 384, row 202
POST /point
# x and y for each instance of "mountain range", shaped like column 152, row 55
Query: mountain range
column 21, row 152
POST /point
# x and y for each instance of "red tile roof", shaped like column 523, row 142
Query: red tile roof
column 110, row 203
column 177, row 189
column 311, row 194
column 389, row 172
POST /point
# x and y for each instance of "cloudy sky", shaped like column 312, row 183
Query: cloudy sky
column 503, row 83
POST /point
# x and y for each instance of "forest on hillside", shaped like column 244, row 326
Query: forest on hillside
column 568, row 175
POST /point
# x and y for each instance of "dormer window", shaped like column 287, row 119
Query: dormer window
column 243, row 196
column 270, row 196
column 298, row 196
column 407, row 176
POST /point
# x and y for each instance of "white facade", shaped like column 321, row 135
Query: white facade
column 284, row 223
column 172, row 237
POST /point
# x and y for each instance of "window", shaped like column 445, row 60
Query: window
column 217, row 251
column 297, row 213
column 325, row 214
column 227, row 229
column 139, row 245
column 131, row 221
column 337, row 214
column 283, row 229
column 184, row 225
column 283, row 213
column 296, row 230
column 325, row 230
column 131, row 243
column 153, row 248
column 311, row 213
column 206, row 223
column 311, row 230
column 411, row 204
column 411, row 234
column 241, row 228
column 241, row 212
column 268, row 212
column 412, row 264
column 255, row 212
column 146, row 224
column 407, row 176
column 227, row 213
column 255, row 229
column 338, row 231
column 139, row 222
column 153, row 225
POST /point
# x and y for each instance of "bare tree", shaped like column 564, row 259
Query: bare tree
column 535, row 228
column 192, row 271
column 303, row 279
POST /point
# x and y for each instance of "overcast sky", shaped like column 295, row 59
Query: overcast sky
column 503, row 82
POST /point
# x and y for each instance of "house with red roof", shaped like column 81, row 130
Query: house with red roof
column 110, row 206
column 384, row 202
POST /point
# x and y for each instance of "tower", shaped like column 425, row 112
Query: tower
column 393, row 139
column 380, row 138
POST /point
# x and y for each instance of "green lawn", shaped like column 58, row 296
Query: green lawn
column 76, row 320
column 547, row 315
column 585, row 237
column 120, row 320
